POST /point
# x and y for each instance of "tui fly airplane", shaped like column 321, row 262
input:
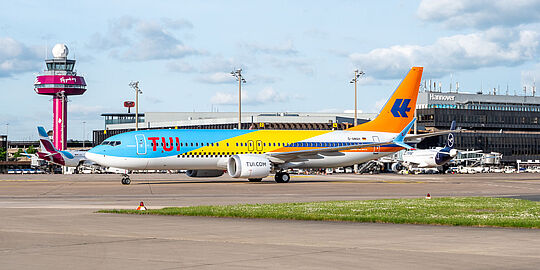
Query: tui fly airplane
column 255, row 154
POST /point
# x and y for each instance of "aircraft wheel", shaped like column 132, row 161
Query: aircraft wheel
column 126, row 181
column 282, row 177
column 255, row 179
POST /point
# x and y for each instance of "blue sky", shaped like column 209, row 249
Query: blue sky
column 296, row 55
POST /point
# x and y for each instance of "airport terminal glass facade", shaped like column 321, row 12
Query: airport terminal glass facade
column 494, row 123
column 121, row 118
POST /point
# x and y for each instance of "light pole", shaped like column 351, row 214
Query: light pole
column 357, row 75
column 7, row 141
column 238, row 75
column 135, row 86
column 83, row 133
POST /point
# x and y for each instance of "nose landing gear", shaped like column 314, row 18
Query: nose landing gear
column 125, row 179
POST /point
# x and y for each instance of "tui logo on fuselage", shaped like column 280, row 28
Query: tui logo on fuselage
column 401, row 107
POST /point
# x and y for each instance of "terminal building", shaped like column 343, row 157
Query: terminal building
column 506, row 124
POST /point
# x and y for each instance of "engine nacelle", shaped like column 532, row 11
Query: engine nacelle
column 248, row 166
column 396, row 167
column 205, row 173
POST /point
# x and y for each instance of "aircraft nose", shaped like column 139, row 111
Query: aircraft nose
column 453, row 152
column 93, row 156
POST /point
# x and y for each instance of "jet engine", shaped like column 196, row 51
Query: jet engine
column 205, row 173
column 248, row 166
column 396, row 167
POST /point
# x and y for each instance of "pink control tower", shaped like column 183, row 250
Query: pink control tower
column 60, row 81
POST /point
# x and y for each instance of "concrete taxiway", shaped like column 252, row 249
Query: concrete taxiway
column 49, row 222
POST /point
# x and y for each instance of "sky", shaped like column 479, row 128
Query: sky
column 296, row 56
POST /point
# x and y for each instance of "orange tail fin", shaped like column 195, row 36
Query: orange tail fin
column 399, row 109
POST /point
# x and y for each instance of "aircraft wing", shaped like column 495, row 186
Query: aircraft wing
column 286, row 156
column 412, row 137
column 472, row 152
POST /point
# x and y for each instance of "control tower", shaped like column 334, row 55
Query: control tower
column 60, row 81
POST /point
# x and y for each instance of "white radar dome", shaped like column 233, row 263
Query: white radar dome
column 60, row 51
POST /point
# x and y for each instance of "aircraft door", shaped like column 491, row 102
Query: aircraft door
column 376, row 149
column 141, row 144
column 251, row 146
column 259, row 146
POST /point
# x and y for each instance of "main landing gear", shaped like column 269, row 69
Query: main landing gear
column 282, row 177
column 125, row 179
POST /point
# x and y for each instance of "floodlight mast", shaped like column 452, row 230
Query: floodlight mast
column 357, row 75
column 238, row 75
column 7, row 142
column 135, row 86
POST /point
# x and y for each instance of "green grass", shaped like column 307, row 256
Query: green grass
column 462, row 211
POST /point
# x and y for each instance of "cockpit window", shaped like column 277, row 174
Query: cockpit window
column 111, row 143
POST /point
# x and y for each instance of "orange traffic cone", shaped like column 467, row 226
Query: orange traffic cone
column 427, row 197
column 141, row 207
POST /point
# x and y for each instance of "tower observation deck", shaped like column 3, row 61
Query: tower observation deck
column 60, row 81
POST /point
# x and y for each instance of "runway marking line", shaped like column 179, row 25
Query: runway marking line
column 24, row 180
column 360, row 182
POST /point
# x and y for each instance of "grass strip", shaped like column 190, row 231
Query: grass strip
column 459, row 211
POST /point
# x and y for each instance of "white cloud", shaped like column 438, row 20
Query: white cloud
column 177, row 23
column 221, row 98
column 266, row 95
column 301, row 65
column 494, row 47
column 269, row 95
column 181, row 66
column 286, row 48
column 214, row 64
column 218, row 77
column 530, row 78
column 15, row 57
column 132, row 39
column 479, row 13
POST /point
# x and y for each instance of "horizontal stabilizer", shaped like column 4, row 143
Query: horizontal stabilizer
column 401, row 136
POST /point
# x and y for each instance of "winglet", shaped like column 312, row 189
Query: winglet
column 42, row 132
column 399, row 138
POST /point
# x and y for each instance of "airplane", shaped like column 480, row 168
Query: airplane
column 254, row 154
column 430, row 158
column 48, row 152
